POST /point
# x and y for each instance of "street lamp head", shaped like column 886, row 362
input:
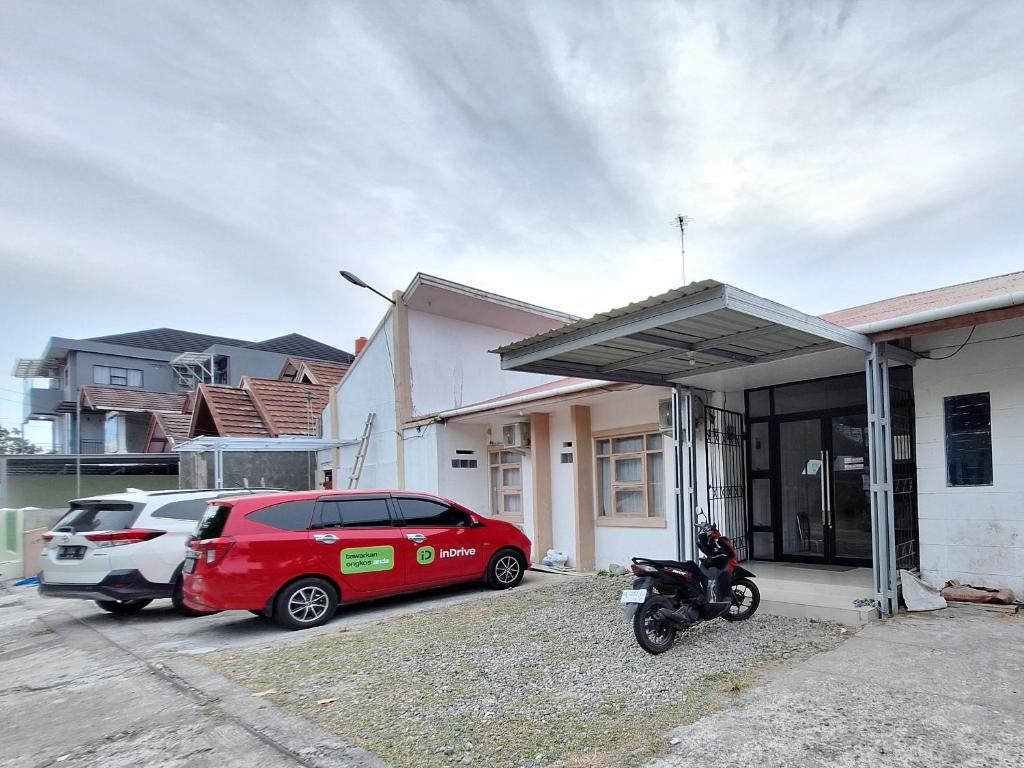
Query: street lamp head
column 356, row 281
column 352, row 278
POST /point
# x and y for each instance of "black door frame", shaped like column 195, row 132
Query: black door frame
column 824, row 418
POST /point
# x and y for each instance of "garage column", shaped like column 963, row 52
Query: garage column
column 686, row 471
column 883, row 533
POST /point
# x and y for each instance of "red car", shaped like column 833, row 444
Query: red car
column 296, row 556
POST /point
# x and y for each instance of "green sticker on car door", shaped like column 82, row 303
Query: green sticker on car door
column 367, row 559
column 425, row 555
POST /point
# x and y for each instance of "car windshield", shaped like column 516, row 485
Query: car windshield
column 98, row 516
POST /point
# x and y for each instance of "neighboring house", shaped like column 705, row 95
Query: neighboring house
column 428, row 353
column 263, row 433
column 792, row 441
column 160, row 360
column 313, row 371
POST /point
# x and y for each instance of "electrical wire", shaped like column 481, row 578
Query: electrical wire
column 929, row 356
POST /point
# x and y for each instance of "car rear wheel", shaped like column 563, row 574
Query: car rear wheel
column 305, row 603
column 506, row 569
column 123, row 609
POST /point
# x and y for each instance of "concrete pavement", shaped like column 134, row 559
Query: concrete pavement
column 936, row 689
column 81, row 687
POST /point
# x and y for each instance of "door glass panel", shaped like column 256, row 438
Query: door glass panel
column 761, row 496
column 759, row 456
column 800, row 473
column 851, row 502
column 764, row 546
column 840, row 392
column 758, row 401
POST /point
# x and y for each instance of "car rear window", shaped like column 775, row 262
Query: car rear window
column 211, row 526
column 188, row 509
column 106, row 516
column 286, row 516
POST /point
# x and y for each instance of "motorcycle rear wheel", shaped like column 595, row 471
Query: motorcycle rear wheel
column 654, row 635
column 745, row 599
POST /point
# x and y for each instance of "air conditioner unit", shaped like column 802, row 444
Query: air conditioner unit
column 516, row 435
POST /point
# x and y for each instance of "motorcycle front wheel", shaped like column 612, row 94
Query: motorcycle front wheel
column 654, row 635
column 745, row 599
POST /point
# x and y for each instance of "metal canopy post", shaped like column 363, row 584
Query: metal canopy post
column 883, row 533
column 686, row 470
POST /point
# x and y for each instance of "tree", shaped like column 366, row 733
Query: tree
column 11, row 441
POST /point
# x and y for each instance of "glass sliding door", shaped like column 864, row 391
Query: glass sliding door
column 850, row 502
column 801, row 476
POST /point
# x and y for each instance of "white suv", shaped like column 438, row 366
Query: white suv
column 124, row 550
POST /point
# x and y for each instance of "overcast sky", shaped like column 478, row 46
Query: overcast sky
column 211, row 165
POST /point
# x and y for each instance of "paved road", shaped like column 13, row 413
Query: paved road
column 936, row 689
column 82, row 687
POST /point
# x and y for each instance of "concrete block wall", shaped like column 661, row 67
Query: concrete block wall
column 974, row 534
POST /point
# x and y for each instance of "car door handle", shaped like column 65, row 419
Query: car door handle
column 417, row 538
column 325, row 538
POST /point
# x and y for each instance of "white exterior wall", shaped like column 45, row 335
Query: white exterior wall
column 974, row 534
column 466, row 486
column 452, row 367
column 369, row 388
column 421, row 460
column 619, row 544
column 563, row 497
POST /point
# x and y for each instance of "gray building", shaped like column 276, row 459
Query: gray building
column 102, row 391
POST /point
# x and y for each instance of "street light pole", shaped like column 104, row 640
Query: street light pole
column 356, row 281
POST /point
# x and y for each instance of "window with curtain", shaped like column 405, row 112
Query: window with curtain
column 630, row 475
column 506, row 480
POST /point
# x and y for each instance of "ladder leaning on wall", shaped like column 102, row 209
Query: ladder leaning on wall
column 364, row 443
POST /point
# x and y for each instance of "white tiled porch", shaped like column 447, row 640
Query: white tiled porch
column 825, row 593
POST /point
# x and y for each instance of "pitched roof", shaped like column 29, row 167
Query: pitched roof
column 912, row 303
column 231, row 410
column 166, row 430
column 288, row 408
column 302, row 346
column 168, row 340
column 314, row 371
column 134, row 400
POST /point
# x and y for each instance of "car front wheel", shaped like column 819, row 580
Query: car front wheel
column 505, row 570
column 123, row 609
column 305, row 603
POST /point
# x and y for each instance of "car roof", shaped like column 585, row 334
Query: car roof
column 346, row 493
column 141, row 497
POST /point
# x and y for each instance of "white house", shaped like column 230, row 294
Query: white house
column 881, row 437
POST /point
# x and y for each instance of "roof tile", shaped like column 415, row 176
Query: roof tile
column 134, row 400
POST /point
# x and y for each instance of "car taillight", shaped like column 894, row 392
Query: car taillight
column 120, row 538
column 214, row 550
column 47, row 537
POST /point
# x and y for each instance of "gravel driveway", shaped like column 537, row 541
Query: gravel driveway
column 551, row 675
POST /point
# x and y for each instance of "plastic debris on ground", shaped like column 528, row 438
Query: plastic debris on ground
column 919, row 595
column 32, row 581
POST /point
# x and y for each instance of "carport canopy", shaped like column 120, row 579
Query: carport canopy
column 703, row 327
column 708, row 327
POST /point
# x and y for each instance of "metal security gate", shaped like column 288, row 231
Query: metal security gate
column 725, row 453
column 904, row 478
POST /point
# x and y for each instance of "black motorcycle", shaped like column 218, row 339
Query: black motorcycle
column 671, row 596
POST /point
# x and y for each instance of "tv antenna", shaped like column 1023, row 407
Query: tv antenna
column 683, row 222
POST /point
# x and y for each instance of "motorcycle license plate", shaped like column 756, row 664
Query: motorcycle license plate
column 633, row 596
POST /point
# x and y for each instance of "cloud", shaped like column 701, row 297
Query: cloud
column 212, row 165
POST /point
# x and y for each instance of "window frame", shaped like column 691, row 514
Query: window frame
column 504, row 490
column 124, row 373
column 949, row 436
column 643, row 431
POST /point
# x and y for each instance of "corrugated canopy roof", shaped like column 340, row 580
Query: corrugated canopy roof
column 700, row 328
